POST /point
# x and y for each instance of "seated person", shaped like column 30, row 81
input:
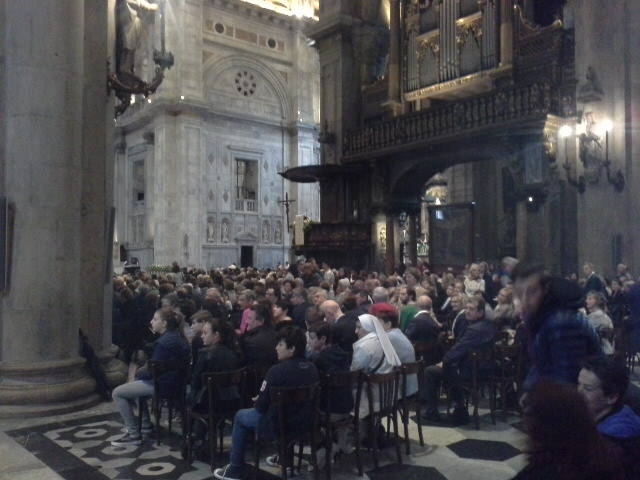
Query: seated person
column 292, row 370
column 459, row 323
column 329, row 358
column 170, row 346
column 423, row 327
column 599, row 320
column 455, row 364
column 388, row 315
column 260, row 339
column 197, row 323
column 603, row 383
column 280, row 317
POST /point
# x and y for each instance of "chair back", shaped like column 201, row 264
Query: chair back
column 383, row 389
column 482, row 360
column 410, row 368
column 430, row 352
column 340, row 381
column 256, row 374
column 225, row 384
column 508, row 362
column 287, row 400
column 179, row 369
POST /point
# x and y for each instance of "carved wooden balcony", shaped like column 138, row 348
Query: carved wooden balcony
column 336, row 237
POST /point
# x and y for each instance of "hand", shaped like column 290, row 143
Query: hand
column 439, row 365
column 254, row 399
column 524, row 401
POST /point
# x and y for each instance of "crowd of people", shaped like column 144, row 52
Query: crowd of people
column 306, row 320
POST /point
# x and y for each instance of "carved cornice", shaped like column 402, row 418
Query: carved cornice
column 431, row 45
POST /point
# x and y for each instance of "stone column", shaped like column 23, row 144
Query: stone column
column 506, row 32
column 413, row 240
column 59, row 222
column 394, row 103
column 390, row 258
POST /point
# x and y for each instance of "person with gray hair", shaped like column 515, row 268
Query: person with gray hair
column 380, row 295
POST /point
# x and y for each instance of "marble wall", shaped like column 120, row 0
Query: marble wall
column 245, row 86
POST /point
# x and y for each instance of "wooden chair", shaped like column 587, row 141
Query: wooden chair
column 330, row 384
column 506, row 372
column 382, row 389
column 482, row 363
column 413, row 368
column 176, row 400
column 216, row 384
column 284, row 399
column 429, row 352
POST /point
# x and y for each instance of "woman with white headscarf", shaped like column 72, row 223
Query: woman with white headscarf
column 373, row 352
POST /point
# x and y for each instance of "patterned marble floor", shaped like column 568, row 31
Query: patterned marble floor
column 76, row 447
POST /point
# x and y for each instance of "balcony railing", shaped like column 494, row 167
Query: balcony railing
column 246, row 205
column 337, row 236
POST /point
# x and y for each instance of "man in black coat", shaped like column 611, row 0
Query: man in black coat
column 258, row 344
column 423, row 327
column 300, row 304
column 343, row 326
column 455, row 364
column 594, row 282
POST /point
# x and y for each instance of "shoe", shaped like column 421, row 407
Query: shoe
column 127, row 439
column 321, row 457
column 228, row 472
column 272, row 461
column 460, row 417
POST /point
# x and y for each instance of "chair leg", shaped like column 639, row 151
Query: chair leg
column 212, row 441
column 170, row 409
column 187, row 438
column 300, row 448
column 328, row 446
column 394, row 419
column 405, row 421
column 256, row 456
column 140, row 408
column 157, row 413
column 476, row 400
column 418, row 410
column 356, row 434
column 374, row 440
column 221, row 433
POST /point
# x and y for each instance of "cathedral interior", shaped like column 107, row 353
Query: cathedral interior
column 368, row 134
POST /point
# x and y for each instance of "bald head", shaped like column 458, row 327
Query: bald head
column 424, row 302
column 331, row 310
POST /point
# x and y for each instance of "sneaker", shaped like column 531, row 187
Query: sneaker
column 273, row 461
column 228, row 472
column 127, row 439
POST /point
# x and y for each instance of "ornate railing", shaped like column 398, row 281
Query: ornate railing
column 337, row 236
column 503, row 106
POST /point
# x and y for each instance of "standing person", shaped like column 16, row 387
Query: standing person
column 170, row 346
column 292, row 370
column 559, row 337
column 593, row 282
column 245, row 301
column 599, row 320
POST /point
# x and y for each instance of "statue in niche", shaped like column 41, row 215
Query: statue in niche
column 225, row 231
column 265, row 232
column 211, row 230
column 591, row 150
column 133, row 17
column 277, row 232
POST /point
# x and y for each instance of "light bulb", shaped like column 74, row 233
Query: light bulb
column 565, row 131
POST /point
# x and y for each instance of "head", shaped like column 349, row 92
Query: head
column 319, row 337
column 387, row 314
column 595, row 301
column 530, row 288
column 217, row 332
column 474, row 271
column 246, row 299
column 320, row 296
column 331, row 310
column 279, row 310
column 213, row 295
column 380, row 295
column 292, row 344
column 603, row 384
column 272, row 294
column 451, row 290
column 505, row 296
column 298, row 296
column 406, row 295
column 288, row 286
column 166, row 319
column 457, row 302
column 412, row 277
column 260, row 315
column 474, row 309
column 425, row 303
column 509, row 264
column 362, row 297
column 198, row 320
column 616, row 285
column 587, row 269
column 621, row 269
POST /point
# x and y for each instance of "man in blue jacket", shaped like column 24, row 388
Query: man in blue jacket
column 455, row 364
column 603, row 383
column 292, row 370
column 559, row 337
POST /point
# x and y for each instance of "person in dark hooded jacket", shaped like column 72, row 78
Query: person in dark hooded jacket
column 559, row 338
column 603, row 383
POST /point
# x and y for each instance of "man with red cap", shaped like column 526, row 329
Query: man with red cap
column 388, row 315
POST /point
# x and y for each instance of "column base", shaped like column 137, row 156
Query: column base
column 45, row 388
column 115, row 369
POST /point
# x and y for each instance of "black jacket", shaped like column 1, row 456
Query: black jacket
column 220, row 358
column 595, row 283
column 294, row 372
column 477, row 334
column 299, row 315
column 259, row 346
column 334, row 359
column 422, row 328
column 344, row 332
